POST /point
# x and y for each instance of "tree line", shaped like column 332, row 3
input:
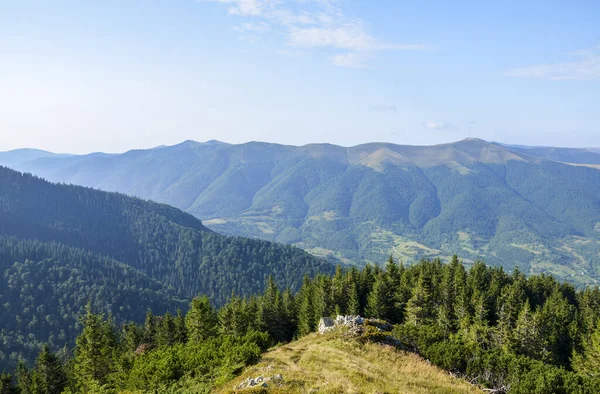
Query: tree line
column 501, row 330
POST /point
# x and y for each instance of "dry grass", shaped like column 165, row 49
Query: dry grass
column 332, row 364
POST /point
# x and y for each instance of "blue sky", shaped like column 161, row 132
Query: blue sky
column 112, row 75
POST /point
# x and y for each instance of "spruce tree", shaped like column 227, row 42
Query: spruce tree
column 339, row 291
column 24, row 379
column 150, row 328
column 320, row 298
column 353, row 304
column 377, row 301
column 418, row 308
column 180, row 329
column 201, row 320
column 587, row 362
column 93, row 352
column 166, row 332
column 48, row 376
column 305, row 310
column 6, row 385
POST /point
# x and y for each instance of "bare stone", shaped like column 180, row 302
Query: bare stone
column 326, row 324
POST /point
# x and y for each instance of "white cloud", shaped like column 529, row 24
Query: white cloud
column 585, row 68
column 349, row 60
column 312, row 24
column 435, row 125
column 349, row 36
column 241, row 7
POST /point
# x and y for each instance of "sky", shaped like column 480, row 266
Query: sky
column 113, row 75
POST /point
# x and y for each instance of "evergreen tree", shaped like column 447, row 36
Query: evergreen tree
column 393, row 277
column 93, row 352
column 528, row 340
column 321, row 304
column 289, row 314
column 271, row 317
column 377, row 302
column 149, row 336
column 201, row 320
column 132, row 336
column 339, row 291
column 24, row 379
column 418, row 308
column 511, row 303
column 353, row 304
column 587, row 362
column 48, row 376
column 180, row 329
column 166, row 334
column 305, row 309
column 6, row 385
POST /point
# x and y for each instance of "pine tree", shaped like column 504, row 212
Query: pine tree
column 180, row 329
column 201, row 320
column 24, row 379
column 320, row 299
column 339, row 291
column 93, row 352
column 377, row 301
column 289, row 315
column 511, row 302
column 270, row 314
column 353, row 304
column 446, row 316
column 6, row 385
column 48, row 376
column 418, row 308
column 150, row 328
column 393, row 277
column 305, row 309
column 132, row 337
column 166, row 332
column 588, row 361
column 528, row 340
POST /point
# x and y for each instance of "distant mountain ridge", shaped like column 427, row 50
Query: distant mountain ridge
column 536, row 208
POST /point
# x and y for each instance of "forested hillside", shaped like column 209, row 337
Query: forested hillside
column 503, row 332
column 62, row 246
column 536, row 208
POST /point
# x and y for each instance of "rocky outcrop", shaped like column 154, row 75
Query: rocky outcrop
column 259, row 381
column 327, row 324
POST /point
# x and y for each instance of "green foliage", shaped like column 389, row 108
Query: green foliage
column 529, row 335
column 49, row 376
column 63, row 246
column 588, row 361
column 201, row 320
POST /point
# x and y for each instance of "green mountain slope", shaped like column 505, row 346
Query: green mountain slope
column 538, row 208
column 62, row 246
column 44, row 288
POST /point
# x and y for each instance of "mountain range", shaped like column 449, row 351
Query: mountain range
column 532, row 207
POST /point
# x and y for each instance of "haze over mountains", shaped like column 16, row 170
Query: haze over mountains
column 536, row 208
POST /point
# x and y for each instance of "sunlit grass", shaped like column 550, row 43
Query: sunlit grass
column 332, row 364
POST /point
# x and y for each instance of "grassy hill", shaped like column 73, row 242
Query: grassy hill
column 536, row 208
column 331, row 364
